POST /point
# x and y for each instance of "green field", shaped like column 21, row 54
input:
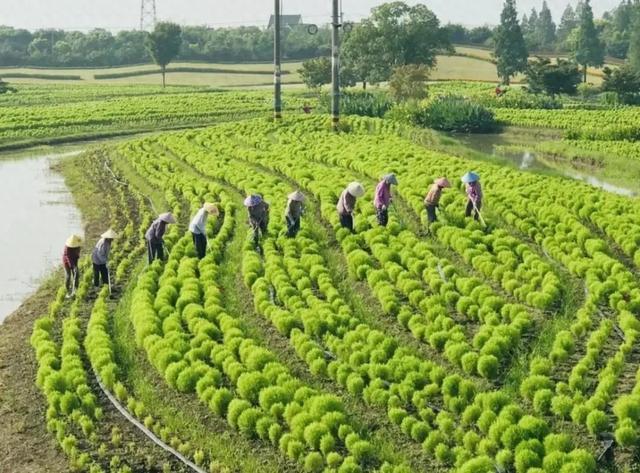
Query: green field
column 508, row 344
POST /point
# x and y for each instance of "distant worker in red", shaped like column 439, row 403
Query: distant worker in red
column 307, row 108
column 155, row 236
column 474, row 194
column 383, row 198
column 70, row 257
column 347, row 204
column 432, row 200
column 258, row 216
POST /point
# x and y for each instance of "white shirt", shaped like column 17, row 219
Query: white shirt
column 198, row 224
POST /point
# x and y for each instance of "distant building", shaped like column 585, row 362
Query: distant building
column 286, row 21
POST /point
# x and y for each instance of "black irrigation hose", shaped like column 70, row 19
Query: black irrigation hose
column 144, row 430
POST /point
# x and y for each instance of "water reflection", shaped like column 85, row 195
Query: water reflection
column 37, row 216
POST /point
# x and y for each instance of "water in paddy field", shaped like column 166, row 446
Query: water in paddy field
column 529, row 161
column 37, row 215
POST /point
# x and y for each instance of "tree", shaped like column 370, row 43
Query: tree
column 588, row 50
column 634, row 42
column 546, row 28
column 624, row 82
column 561, row 77
column 4, row 87
column 163, row 45
column 395, row 35
column 510, row 49
column 409, row 82
column 316, row 72
column 568, row 23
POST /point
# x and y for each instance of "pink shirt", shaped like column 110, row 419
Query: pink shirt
column 383, row 195
column 474, row 191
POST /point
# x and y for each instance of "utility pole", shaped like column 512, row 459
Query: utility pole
column 277, row 70
column 335, row 65
column 147, row 15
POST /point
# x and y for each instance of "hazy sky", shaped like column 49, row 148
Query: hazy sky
column 124, row 14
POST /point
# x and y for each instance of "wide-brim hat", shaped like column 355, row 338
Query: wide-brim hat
column 109, row 235
column 252, row 200
column 391, row 179
column 297, row 196
column 442, row 182
column 167, row 217
column 470, row 177
column 211, row 208
column 355, row 189
column 74, row 241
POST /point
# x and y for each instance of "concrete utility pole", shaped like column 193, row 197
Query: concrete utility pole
column 335, row 65
column 277, row 70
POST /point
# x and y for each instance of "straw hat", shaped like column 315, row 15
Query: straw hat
column 74, row 241
column 297, row 196
column 211, row 208
column 252, row 200
column 355, row 189
column 470, row 177
column 443, row 182
column 167, row 217
column 109, row 235
column 391, row 179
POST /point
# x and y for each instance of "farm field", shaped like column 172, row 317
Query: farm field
column 385, row 350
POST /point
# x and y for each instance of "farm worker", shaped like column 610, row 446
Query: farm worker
column 347, row 204
column 294, row 211
column 307, row 108
column 474, row 194
column 432, row 200
column 100, row 257
column 383, row 198
column 198, row 227
column 155, row 234
column 258, row 215
column 70, row 257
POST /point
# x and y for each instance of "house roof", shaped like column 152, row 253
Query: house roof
column 286, row 20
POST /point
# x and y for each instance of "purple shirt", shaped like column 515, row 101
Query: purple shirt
column 383, row 195
column 156, row 231
column 474, row 192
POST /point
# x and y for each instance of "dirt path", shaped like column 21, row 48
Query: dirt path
column 25, row 444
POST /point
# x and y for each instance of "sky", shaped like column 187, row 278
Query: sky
column 124, row 14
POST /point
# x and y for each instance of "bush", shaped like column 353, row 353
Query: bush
column 597, row 422
column 488, row 366
column 456, row 114
column 365, row 104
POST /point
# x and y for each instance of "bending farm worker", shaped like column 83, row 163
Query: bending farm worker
column 100, row 258
column 383, row 199
column 347, row 204
column 155, row 236
column 432, row 200
column 258, row 216
column 198, row 228
column 293, row 213
column 474, row 194
column 70, row 257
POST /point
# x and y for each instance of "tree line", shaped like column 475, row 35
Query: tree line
column 618, row 30
column 101, row 48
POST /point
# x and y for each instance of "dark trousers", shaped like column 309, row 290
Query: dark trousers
column 200, row 242
column 71, row 278
column 100, row 272
column 155, row 250
column 431, row 213
column 470, row 210
column 383, row 216
column 346, row 221
column 293, row 226
column 259, row 229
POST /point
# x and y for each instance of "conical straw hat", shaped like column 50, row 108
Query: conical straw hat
column 443, row 182
column 355, row 189
column 297, row 196
column 109, row 235
column 74, row 241
column 167, row 217
column 211, row 208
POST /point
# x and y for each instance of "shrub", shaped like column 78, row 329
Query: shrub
column 313, row 463
column 597, row 422
column 488, row 366
column 363, row 103
column 456, row 114
column 526, row 459
column 542, row 401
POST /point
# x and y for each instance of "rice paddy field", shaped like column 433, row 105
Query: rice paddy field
column 508, row 344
